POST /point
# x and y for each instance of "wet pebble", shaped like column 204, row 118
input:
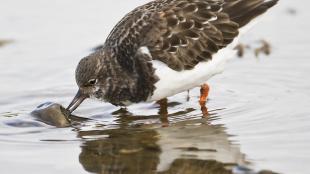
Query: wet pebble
column 52, row 114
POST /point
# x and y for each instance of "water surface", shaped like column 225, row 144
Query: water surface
column 258, row 113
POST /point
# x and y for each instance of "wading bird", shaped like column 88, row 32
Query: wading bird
column 163, row 48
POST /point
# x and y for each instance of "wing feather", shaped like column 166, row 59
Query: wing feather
column 182, row 33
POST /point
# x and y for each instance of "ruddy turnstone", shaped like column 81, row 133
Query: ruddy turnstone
column 163, row 48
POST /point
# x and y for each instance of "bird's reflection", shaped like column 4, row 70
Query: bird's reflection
column 130, row 151
column 188, row 147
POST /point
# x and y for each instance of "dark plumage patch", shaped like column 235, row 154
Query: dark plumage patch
column 182, row 33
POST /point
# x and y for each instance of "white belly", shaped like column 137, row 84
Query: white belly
column 172, row 82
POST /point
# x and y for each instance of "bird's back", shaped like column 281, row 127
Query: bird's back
column 182, row 33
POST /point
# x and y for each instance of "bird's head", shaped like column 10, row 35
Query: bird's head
column 89, row 80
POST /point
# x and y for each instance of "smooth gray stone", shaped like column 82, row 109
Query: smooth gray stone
column 52, row 114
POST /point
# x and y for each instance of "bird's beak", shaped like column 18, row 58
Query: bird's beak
column 77, row 100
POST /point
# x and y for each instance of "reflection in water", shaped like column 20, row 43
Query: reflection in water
column 124, row 151
column 191, row 146
column 196, row 166
column 133, row 146
column 266, row 100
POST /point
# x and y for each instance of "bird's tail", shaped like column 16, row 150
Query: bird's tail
column 243, row 11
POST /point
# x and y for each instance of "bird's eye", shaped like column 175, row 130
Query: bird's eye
column 92, row 81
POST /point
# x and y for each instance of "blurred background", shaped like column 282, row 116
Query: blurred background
column 258, row 115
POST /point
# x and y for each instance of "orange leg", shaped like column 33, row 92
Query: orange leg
column 204, row 92
column 163, row 112
column 204, row 110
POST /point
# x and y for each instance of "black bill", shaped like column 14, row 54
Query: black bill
column 77, row 100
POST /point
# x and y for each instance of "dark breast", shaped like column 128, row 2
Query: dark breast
column 123, row 86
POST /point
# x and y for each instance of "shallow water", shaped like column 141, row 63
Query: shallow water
column 258, row 112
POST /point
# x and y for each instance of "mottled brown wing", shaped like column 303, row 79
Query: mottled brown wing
column 193, row 32
column 182, row 33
